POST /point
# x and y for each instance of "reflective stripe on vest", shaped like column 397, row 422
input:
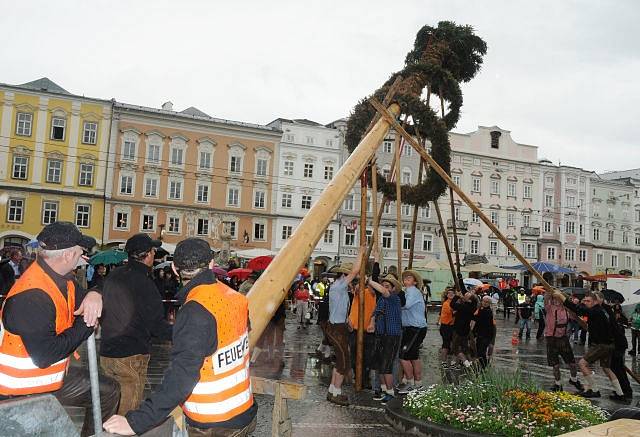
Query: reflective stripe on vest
column 223, row 390
column 18, row 373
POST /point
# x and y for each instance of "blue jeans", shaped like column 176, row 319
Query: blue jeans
column 525, row 323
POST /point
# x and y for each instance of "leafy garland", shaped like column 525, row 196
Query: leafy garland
column 426, row 65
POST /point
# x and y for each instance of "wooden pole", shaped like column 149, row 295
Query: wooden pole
column 272, row 286
column 414, row 220
column 445, row 239
column 399, row 206
column 375, row 241
column 360, row 292
column 443, row 174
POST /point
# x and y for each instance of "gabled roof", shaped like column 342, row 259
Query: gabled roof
column 44, row 84
column 192, row 110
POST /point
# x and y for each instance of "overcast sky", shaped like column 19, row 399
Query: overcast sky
column 561, row 75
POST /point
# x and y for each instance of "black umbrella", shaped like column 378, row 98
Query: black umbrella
column 613, row 296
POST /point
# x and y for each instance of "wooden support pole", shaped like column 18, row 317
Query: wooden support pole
column 375, row 238
column 361, row 285
column 272, row 286
column 399, row 206
column 455, row 232
column 414, row 220
column 445, row 239
column 443, row 174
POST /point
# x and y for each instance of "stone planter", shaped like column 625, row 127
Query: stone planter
column 404, row 422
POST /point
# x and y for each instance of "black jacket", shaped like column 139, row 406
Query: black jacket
column 464, row 314
column 195, row 336
column 598, row 322
column 484, row 326
column 132, row 313
column 7, row 276
column 32, row 315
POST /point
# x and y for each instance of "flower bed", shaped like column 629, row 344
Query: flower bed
column 505, row 405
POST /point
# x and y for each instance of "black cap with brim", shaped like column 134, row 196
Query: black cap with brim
column 63, row 235
column 141, row 243
column 191, row 254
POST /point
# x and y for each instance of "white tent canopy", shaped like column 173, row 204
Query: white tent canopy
column 254, row 253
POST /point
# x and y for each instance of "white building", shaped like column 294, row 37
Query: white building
column 308, row 157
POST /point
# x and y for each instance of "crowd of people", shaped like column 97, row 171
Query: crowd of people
column 208, row 376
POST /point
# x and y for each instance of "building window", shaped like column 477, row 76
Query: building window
column 23, row 124
column 425, row 211
column 369, row 235
column 153, row 153
column 203, row 226
column 583, row 255
column 386, row 171
column 572, row 181
column 174, row 225
column 230, row 228
column 126, row 184
column 548, row 200
column 570, row 227
column 637, row 239
column 288, row 168
column 58, row 126
column 287, row 230
column 15, row 210
column 599, row 259
column 151, row 187
column 475, row 218
column 551, row 253
column 387, row 146
column 610, row 236
column 349, row 237
column 328, row 172
column 627, row 262
column 83, row 215
column 49, row 212
column 306, row 202
column 309, row 140
column 329, row 143
column 387, row 208
column 581, row 230
column 596, row 234
column 54, row 171
column 328, row 236
column 571, row 201
column 122, row 220
column 235, row 164
column 176, row 156
column 148, row 222
column 85, row 177
column 205, row 160
column 549, row 179
column 526, row 220
column 638, row 215
column 175, row 190
column 456, row 179
column 386, row 239
column 259, row 199
column 20, row 167
column 495, row 139
column 510, row 219
column 308, row 170
column 233, row 196
column 625, row 237
column 406, row 177
column 476, row 185
column 261, row 167
column 406, row 241
column 494, row 218
column 289, row 138
column 427, row 243
column 129, row 150
column 202, row 195
column 286, row 200
column 527, row 191
column 530, row 250
column 407, row 150
column 475, row 247
column 493, row 248
column 569, row 254
column 546, row 226
column 614, row 260
column 460, row 244
column 348, row 202
column 511, row 189
column 495, row 187
column 258, row 231
column 406, row 210
column 90, row 132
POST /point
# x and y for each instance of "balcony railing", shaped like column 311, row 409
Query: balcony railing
column 527, row 231
column 460, row 224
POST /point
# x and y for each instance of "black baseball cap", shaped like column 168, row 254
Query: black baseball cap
column 141, row 243
column 63, row 235
column 191, row 254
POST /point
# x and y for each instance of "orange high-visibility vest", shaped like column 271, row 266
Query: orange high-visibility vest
column 18, row 374
column 224, row 388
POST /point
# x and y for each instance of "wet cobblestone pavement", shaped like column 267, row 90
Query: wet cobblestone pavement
column 314, row 416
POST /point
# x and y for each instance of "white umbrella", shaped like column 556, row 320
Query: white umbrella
column 471, row 282
column 162, row 265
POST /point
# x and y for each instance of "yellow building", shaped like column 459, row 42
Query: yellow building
column 53, row 155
